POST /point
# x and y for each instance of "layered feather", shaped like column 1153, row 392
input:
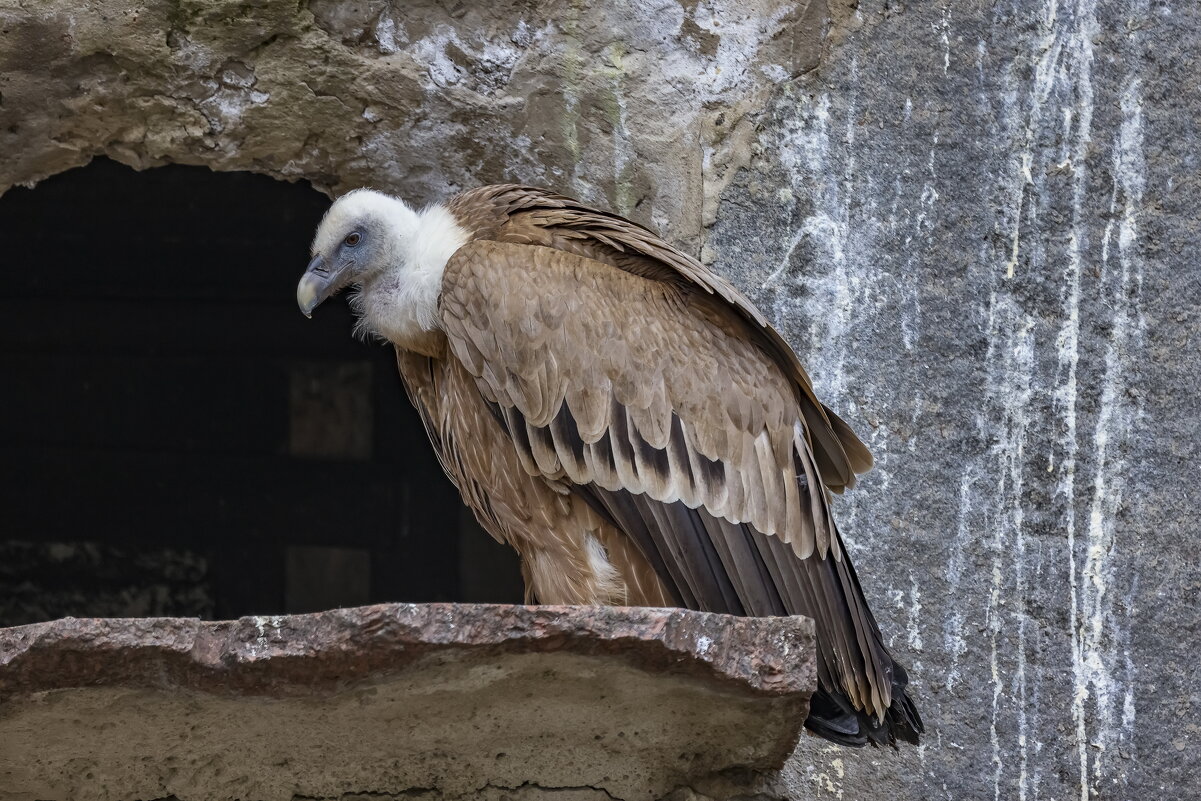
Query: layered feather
column 631, row 389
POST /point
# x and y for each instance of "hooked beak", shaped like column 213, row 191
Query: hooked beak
column 317, row 284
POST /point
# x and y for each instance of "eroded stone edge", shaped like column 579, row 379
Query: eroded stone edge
column 765, row 656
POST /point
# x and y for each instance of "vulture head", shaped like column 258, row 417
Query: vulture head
column 392, row 253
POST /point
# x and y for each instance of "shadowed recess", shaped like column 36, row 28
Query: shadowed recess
column 178, row 440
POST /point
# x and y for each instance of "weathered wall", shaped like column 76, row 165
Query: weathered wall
column 977, row 223
column 637, row 107
column 974, row 220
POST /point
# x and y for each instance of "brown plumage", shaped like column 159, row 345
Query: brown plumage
column 631, row 424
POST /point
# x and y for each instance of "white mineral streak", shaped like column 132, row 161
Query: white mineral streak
column 913, row 629
column 1009, row 391
column 1104, row 653
column 953, row 638
column 826, row 179
column 945, row 37
column 1060, row 119
column 1053, row 118
column 1059, row 311
column 1046, row 56
column 1071, row 74
column 923, row 230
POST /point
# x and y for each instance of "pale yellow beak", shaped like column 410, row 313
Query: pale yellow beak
column 316, row 285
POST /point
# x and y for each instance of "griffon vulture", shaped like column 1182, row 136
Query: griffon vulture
column 622, row 416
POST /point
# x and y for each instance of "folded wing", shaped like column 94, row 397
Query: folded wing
column 669, row 412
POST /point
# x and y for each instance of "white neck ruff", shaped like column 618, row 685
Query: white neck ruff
column 401, row 304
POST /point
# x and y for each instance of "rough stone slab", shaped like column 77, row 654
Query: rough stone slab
column 448, row 699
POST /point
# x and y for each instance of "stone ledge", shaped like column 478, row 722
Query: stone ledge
column 446, row 699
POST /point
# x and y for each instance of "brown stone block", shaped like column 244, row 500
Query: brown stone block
column 454, row 700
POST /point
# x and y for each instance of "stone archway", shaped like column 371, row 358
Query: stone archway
column 642, row 111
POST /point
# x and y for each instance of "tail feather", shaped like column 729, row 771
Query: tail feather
column 831, row 712
column 832, row 717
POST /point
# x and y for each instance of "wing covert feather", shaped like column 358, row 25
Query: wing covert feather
column 669, row 384
column 535, row 216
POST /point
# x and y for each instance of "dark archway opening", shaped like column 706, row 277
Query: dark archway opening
column 178, row 440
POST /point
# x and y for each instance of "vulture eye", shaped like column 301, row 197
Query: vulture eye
column 353, row 238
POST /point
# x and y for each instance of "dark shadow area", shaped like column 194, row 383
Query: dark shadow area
column 178, row 440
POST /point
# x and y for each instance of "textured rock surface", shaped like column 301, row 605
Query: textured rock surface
column 639, row 108
column 975, row 220
column 441, row 700
column 978, row 225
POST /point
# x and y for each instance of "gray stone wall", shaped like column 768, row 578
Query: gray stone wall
column 976, row 221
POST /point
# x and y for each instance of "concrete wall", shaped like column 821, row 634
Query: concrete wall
column 975, row 221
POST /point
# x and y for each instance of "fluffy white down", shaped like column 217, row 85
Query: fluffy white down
column 398, row 300
column 609, row 583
